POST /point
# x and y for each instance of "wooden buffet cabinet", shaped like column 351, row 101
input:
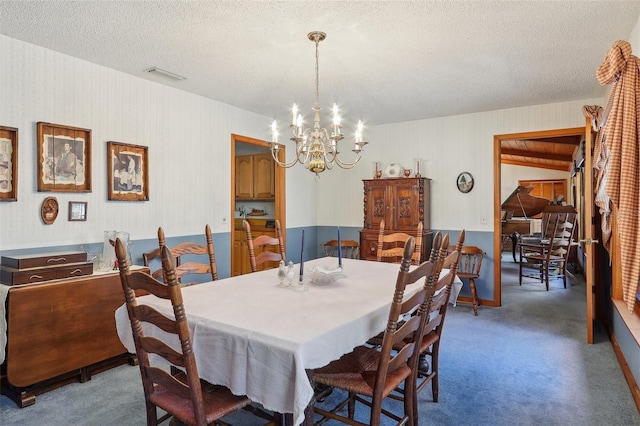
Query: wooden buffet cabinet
column 59, row 332
column 402, row 203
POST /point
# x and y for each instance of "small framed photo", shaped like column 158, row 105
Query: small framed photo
column 465, row 182
column 8, row 164
column 64, row 158
column 127, row 172
column 77, row 211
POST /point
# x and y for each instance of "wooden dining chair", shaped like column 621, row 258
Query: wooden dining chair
column 548, row 259
column 469, row 269
column 350, row 248
column 153, row 258
column 187, row 251
column 391, row 247
column 269, row 249
column 436, row 310
column 374, row 372
column 184, row 396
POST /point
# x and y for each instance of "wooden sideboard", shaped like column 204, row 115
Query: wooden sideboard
column 59, row 332
column 402, row 203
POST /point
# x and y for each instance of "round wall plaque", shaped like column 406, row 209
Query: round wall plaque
column 465, row 182
column 49, row 210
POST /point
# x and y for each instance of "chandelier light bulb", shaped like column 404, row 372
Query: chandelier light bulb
column 274, row 131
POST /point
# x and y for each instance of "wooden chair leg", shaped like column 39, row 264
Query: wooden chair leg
column 351, row 407
column 434, row 369
column 474, row 295
column 546, row 275
column 521, row 268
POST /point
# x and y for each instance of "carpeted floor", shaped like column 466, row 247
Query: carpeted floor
column 525, row 363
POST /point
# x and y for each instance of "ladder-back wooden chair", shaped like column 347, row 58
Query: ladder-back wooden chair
column 187, row 252
column 436, row 310
column 350, row 248
column 469, row 269
column 184, row 396
column 269, row 249
column 548, row 259
column 374, row 372
column 391, row 247
column 153, row 258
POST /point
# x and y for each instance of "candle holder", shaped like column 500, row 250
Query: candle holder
column 377, row 172
column 417, row 169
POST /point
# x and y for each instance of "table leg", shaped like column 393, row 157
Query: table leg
column 281, row 419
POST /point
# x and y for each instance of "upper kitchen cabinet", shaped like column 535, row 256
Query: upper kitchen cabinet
column 255, row 177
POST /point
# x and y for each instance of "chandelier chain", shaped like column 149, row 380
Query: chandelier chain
column 317, row 71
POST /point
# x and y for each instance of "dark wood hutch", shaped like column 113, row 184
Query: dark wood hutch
column 402, row 203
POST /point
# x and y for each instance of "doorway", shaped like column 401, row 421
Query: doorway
column 244, row 145
column 541, row 156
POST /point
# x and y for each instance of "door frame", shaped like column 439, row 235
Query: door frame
column 497, row 237
column 280, row 189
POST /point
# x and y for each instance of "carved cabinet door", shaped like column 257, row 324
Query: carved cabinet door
column 406, row 201
column 376, row 205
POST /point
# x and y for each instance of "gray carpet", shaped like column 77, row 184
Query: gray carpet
column 525, row 363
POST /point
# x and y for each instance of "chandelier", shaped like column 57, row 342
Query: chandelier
column 317, row 147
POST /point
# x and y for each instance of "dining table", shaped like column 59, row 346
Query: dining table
column 260, row 338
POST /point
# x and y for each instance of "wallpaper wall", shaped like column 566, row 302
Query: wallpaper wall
column 189, row 138
column 448, row 146
column 189, row 150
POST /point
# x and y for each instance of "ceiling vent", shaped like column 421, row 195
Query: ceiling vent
column 165, row 74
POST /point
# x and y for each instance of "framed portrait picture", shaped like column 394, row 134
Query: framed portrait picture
column 77, row 211
column 64, row 158
column 127, row 172
column 8, row 164
column 465, row 182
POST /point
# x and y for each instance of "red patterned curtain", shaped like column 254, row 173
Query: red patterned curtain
column 620, row 157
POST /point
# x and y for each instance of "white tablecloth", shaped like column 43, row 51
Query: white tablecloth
column 259, row 339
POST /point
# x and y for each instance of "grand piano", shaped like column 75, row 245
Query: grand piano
column 522, row 206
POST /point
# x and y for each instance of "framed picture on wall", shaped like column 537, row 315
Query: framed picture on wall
column 64, row 158
column 77, row 211
column 8, row 164
column 465, row 182
column 127, row 172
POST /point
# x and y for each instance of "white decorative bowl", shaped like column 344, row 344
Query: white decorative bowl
column 321, row 276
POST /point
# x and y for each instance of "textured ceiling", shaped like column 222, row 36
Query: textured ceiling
column 382, row 61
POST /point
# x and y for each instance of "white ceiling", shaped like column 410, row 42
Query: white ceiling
column 382, row 61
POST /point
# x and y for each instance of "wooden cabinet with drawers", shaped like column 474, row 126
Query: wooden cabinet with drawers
column 33, row 268
column 402, row 203
column 60, row 331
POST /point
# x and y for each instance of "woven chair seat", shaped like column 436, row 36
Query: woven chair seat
column 356, row 372
column 218, row 402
